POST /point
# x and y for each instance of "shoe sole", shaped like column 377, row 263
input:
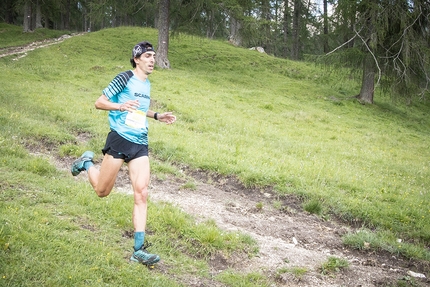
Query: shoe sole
column 75, row 173
column 86, row 156
column 150, row 263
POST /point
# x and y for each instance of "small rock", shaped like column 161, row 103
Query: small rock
column 370, row 262
column 295, row 241
column 416, row 275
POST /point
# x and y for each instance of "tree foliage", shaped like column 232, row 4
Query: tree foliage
column 388, row 40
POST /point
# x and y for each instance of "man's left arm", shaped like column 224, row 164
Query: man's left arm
column 166, row 117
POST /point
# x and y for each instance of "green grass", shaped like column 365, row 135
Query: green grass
column 243, row 280
column 189, row 185
column 56, row 232
column 313, row 206
column 267, row 121
column 333, row 265
column 12, row 36
column 298, row 272
column 385, row 241
column 406, row 281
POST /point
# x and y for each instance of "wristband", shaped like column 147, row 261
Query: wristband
column 156, row 116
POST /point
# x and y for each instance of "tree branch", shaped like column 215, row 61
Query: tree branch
column 338, row 47
column 373, row 55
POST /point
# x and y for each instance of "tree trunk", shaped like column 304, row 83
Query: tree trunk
column 286, row 29
column 235, row 37
column 38, row 16
column 85, row 19
column 27, row 17
column 266, row 16
column 67, row 15
column 10, row 11
column 351, row 43
column 369, row 65
column 163, row 35
column 326, row 48
column 368, row 81
column 295, row 51
column 211, row 25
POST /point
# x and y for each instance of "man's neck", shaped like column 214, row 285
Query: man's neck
column 140, row 74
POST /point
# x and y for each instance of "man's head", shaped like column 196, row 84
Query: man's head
column 139, row 49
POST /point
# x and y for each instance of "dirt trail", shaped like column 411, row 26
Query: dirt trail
column 21, row 51
column 287, row 238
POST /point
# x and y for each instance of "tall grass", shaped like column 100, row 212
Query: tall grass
column 268, row 121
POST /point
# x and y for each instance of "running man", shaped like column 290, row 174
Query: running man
column 127, row 98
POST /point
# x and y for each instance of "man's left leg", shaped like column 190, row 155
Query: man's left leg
column 139, row 175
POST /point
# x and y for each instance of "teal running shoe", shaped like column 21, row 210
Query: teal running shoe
column 144, row 257
column 78, row 165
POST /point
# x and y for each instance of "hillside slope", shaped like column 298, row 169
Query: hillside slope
column 257, row 136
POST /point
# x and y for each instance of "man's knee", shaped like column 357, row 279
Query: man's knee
column 102, row 192
column 141, row 195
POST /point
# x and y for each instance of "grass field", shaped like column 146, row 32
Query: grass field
column 268, row 121
column 12, row 36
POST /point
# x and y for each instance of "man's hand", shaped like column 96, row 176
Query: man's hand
column 167, row 118
column 129, row 106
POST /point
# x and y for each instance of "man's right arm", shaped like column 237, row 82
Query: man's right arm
column 103, row 103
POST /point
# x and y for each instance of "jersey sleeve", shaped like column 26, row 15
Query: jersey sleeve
column 117, row 84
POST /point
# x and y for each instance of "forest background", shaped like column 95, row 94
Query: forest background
column 387, row 41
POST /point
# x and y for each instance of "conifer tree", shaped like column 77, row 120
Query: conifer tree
column 391, row 40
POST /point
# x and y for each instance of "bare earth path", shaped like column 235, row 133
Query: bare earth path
column 286, row 239
column 22, row 51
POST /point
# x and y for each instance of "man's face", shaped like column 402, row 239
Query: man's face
column 146, row 62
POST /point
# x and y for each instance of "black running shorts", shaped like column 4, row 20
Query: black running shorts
column 119, row 147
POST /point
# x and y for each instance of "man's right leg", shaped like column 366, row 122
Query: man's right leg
column 103, row 180
column 139, row 175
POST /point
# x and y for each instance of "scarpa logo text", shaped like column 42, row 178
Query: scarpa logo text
column 141, row 95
